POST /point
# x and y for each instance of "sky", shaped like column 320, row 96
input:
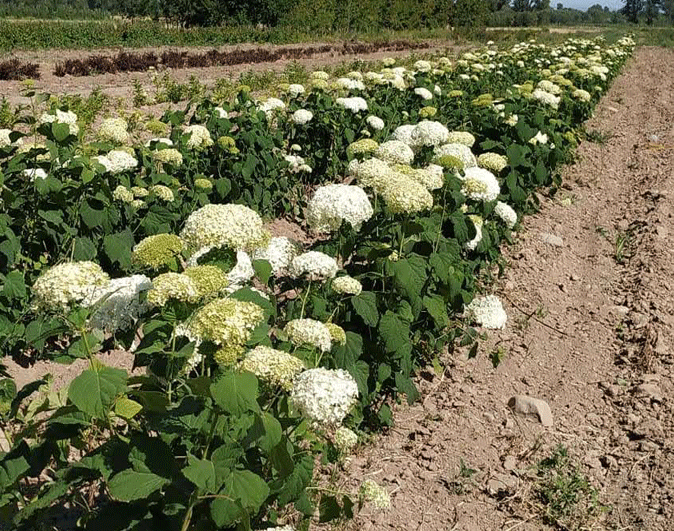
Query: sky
column 584, row 4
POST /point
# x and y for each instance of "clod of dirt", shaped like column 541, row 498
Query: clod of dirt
column 528, row 405
column 502, row 484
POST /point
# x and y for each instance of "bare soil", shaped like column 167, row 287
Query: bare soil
column 120, row 85
column 589, row 335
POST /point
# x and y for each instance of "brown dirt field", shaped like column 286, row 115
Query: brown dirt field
column 603, row 360
column 121, row 85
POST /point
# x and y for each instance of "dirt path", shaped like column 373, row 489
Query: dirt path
column 605, row 369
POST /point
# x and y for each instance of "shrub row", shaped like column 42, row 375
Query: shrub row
column 16, row 70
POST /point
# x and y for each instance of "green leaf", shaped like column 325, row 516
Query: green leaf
column 92, row 217
column 236, row 393
column 201, row 472
column 52, row 216
column 84, row 249
column 127, row 408
column 443, row 265
column 347, row 354
column 405, row 385
column 130, row 485
column 395, row 332
column 263, row 270
column 365, row 305
column 60, row 131
column 243, row 494
column 118, row 247
column 14, row 286
column 436, row 307
column 95, row 390
column 266, row 432
column 329, row 508
column 410, row 275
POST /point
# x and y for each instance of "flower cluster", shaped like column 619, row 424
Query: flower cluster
column 355, row 104
column 114, row 130
column 347, row 285
column 5, row 141
column 168, row 156
column 199, row 138
column 309, row 332
column 62, row 117
column 423, row 93
column 362, row 147
column 226, row 321
column 117, row 305
column 506, row 213
column 371, row 492
column 68, row 283
column 316, row 265
column 162, row 192
column 375, row 122
column 234, row 226
column 208, row 280
column 492, row 162
column 279, row 253
column 334, row 204
column 345, row 440
column 241, row 273
column 302, row 116
column 395, row 152
column 274, row 367
column 157, row 251
column 404, row 195
column 429, row 133
column 297, row 164
column 480, row 185
column 117, row 161
column 477, row 223
column 324, row 396
column 458, row 151
column 337, row 333
column 487, row 311
column 461, row 137
column 546, row 98
column 171, row 286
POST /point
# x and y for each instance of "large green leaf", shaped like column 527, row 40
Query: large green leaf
column 395, row 332
column 236, row 393
column 244, row 493
column 130, row 485
column 365, row 305
column 95, row 390
column 14, row 286
column 436, row 307
column 265, row 433
column 410, row 275
column 118, row 247
column 201, row 472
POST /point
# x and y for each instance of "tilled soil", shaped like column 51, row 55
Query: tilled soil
column 590, row 332
column 120, row 85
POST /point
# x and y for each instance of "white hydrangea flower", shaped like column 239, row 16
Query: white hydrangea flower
column 423, row 93
column 477, row 222
column 297, row 164
column 163, row 192
column 320, row 74
column 279, row 253
column 68, row 283
column 234, row 226
column 199, row 138
column 405, row 195
column 309, row 332
column 461, row 137
column 5, row 140
column 114, row 130
column 487, row 311
column 582, row 95
column 350, row 84
column 169, row 286
column 458, row 151
column 34, row 173
column 429, row 133
column 347, row 285
column 270, row 106
column 335, row 203
column 274, row 367
column 423, row 66
column 492, row 162
column 506, row 213
column 62, row 117
column 355, row 104
column 345, row 440
column 168, row 156
column 295, row 90
column 241, row 273
column 324, row 396
column 403, row 133
column 375, row 122
column 302, row 116
column 430, row 177
column 539, row 138
column 117, row 161
column 221, row 113
column 549, row 86
column 480, row 185
column 117, row 305
column 377, row 495
column 395, row 152
column 226, row 322
column 546, row 98
column 316, row 265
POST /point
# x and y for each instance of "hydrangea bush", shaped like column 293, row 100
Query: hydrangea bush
column 258, row 349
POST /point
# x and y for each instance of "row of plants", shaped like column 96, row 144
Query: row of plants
column 141, row 62
column 263, row 355
column 13, row 69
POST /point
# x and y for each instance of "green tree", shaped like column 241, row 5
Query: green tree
column 632, row 9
